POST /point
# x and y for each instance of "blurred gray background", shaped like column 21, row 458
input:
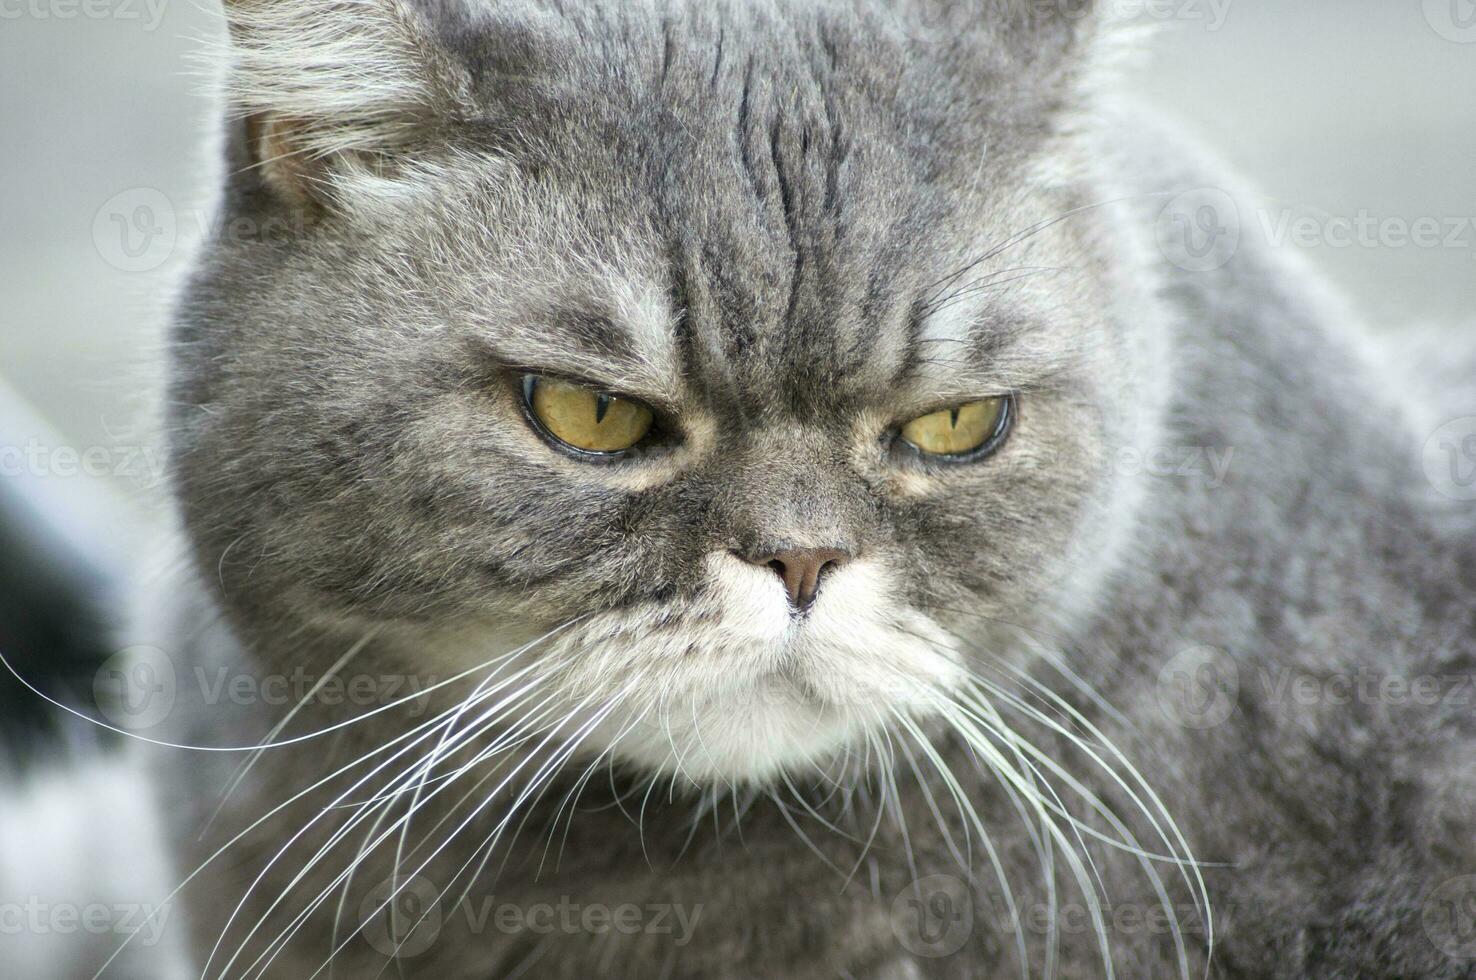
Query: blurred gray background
column 1331, row 108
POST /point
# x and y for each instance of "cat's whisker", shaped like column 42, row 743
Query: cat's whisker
column 536, row 784
column 873, row 746
column 1042, row 843
column 1028, row 779
column 420, row 788
column 799, row 831
column 1080, row 872
column 246, row 767
column 446, row 719
column 509, row 743
column 971, row 815
column 323, row 851
column 504, row 743
column 964, row 861
column 1153, row 814
column 1127, row 844
column 296, row 740
column 301, row 918
column 1201, row 891
column 994, row 280
column 1028, row 233
column 547, row 771
column 412, row 737
column 1198, row 889
column 810, row 809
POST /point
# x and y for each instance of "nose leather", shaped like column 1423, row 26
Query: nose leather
column 801, row 570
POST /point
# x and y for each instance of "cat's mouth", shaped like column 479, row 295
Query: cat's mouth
column 742, row 690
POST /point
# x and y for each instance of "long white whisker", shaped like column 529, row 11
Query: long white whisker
column 246, row 767
column 494, row 714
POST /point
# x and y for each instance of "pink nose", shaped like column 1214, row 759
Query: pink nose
column 801, row 570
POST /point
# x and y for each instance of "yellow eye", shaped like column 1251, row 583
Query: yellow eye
column 585, row 419
column 959, row 431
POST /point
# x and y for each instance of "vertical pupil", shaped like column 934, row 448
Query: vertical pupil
column 602, row 407
column 953, row 416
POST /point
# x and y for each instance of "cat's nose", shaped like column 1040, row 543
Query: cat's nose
column 801, row 570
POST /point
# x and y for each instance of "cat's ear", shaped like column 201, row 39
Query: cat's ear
column 1062, row 37
column 328, row 87
column 1048, row 58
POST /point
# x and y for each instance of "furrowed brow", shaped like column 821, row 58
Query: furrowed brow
column 969, row 351
column 627, row 345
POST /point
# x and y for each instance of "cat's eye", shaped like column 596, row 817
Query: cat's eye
column 963, row 432
column 585, row 419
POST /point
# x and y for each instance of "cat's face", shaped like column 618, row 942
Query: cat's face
column 775, row 239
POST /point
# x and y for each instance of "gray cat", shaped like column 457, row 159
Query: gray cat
column 793, row 489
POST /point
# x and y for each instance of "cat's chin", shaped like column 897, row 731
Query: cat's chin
column 745, row 743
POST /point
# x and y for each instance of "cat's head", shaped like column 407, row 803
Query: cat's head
column 770, row 356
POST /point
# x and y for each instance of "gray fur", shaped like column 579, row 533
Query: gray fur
column 751, row 215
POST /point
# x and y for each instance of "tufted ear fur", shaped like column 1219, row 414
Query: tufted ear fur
column 1065, row 40
column 327, row 87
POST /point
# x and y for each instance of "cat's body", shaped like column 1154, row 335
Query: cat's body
column 1212, row 472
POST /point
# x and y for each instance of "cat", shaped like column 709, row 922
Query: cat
column 802, row 489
